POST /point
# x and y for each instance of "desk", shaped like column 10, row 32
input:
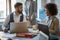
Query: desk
column 5, row 36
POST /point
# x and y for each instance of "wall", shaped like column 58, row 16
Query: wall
column 58, row 5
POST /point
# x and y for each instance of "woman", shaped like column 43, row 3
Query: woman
column 53, row 22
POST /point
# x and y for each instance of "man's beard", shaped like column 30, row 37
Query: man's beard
column 20, row 12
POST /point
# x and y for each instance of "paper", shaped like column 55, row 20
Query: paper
column 7, row 35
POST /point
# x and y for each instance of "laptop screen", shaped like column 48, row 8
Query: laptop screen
column 43, row 28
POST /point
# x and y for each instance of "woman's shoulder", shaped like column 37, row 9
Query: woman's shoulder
column 56, row 19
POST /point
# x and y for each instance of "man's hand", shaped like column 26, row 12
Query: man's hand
column 6, row 30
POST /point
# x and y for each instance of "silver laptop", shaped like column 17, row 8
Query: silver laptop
column 18, row 27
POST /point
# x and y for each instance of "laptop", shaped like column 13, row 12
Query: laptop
column 43, row 28
column 18, row 27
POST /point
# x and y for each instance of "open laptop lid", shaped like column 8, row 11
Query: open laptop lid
column 43, row 28
column 18, row 27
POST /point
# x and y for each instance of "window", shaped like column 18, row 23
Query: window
column 41, row 14
column 12, row 5
column 2, row 10
column 40, row 9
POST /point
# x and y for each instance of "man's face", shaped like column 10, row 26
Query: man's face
column 19, row 9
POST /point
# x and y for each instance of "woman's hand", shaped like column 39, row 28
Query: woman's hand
column 6, row 30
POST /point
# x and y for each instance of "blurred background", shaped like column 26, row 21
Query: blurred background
column 7, row 6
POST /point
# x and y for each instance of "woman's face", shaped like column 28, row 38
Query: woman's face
column 47, row 12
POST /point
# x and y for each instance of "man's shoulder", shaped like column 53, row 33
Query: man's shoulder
column 12, row 13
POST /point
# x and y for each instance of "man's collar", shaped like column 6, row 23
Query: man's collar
column 15, row 14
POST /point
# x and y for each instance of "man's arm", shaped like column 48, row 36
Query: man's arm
column 4, row 26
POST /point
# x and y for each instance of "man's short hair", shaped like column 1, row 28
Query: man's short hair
column 17, row 4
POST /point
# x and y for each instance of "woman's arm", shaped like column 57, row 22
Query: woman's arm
column 55, row 29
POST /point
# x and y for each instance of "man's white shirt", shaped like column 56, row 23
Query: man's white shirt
column 16, row 19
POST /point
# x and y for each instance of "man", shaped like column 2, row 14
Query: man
column 16, row 16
